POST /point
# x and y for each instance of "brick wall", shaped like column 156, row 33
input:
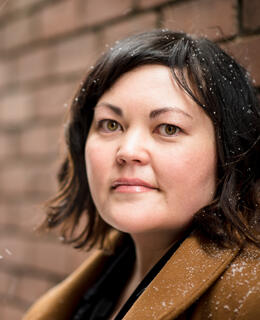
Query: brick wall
column 46, row 47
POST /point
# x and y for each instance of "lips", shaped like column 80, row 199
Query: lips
column 131, row 185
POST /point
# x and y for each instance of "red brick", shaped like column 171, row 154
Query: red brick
column 19, row 4
column 14, row 180
column 25, row 216
column 247, row 52
column 13, row 250
column 76, row 54
column 33, row 251
column 47, row 255
column 29, row 289
column 33, row 65
column 8, row 146
column 18, row 32
column 150, row 3
column 203, row 17
column 4, row 147
column 68, row 15
column 8, row 71
column 16, row 109
column 251, row 14
column 41, row 251
column 5, row 7
column 3, row 72
column 40, row 140
column 20, row 179
column 97, row 11
column 43, row 180
column 58, row 18
column 137, row 24
column 52, row 102
column 11, row 312
column 10, row 292
column 3, row 216
column 2, row 36
column 74, row 258
column 5, row 280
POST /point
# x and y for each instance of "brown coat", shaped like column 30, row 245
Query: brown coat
column 200, row 281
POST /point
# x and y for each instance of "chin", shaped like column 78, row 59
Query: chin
column 139, row 222
column 128, row 222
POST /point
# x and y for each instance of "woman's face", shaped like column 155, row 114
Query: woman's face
column 150, row 154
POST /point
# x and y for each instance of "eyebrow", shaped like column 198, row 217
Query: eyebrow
column 113, row 108
column 153, row 114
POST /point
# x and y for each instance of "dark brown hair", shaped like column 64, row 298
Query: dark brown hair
column 220, row 86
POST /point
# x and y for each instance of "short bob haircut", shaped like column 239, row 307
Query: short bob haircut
column 219, row 85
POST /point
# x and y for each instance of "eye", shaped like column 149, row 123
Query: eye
column 108, row 125
column 168, row 129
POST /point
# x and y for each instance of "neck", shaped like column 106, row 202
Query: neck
column 149, row 249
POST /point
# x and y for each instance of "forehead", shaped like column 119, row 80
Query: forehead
column 149, row 87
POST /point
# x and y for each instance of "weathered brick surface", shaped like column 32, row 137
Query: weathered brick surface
column 32, row 286
column 74, row 258
column 130, row 26
column 24, row 216
column 3, row 72
column 11, row 312
column 214, row 19
column 16, row 109
column 68, row 15
column 51, row 102
column 58, row 19
column 13, row 249
column 13, row 180
column 5, row 280
column 6, row 7
column 40, row 140
column 251, row 14
column 8, row 147
column 47, row 51
column 38, row 179
column 3, row 210
column 76, row 54
column 34, row 64
column 98, row 11
column 8, row 72
column 20, row 4
column 150, row 3
column 20, row 31
column 247, row 51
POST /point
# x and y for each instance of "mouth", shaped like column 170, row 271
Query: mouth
column 130, row 185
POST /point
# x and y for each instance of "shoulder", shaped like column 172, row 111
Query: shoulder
column 59, row 302
column 236, row 294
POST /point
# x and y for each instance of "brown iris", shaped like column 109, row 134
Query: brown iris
column 170, row 129
column 112, row 125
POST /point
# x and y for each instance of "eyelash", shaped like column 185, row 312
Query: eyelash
column 177, row 129
column 101, row 125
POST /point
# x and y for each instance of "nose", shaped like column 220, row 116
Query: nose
column 132, row 149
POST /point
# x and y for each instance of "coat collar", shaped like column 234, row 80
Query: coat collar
column 186, row 276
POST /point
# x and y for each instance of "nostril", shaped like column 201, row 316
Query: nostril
column 121, row 161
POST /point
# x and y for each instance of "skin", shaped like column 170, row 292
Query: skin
column 146, row 127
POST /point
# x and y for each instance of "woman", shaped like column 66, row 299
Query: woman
column 163, row 140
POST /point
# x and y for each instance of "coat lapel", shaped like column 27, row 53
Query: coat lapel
column 186, row 276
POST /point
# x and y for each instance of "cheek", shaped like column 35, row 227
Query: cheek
column 95, row 164
column 191, row 172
